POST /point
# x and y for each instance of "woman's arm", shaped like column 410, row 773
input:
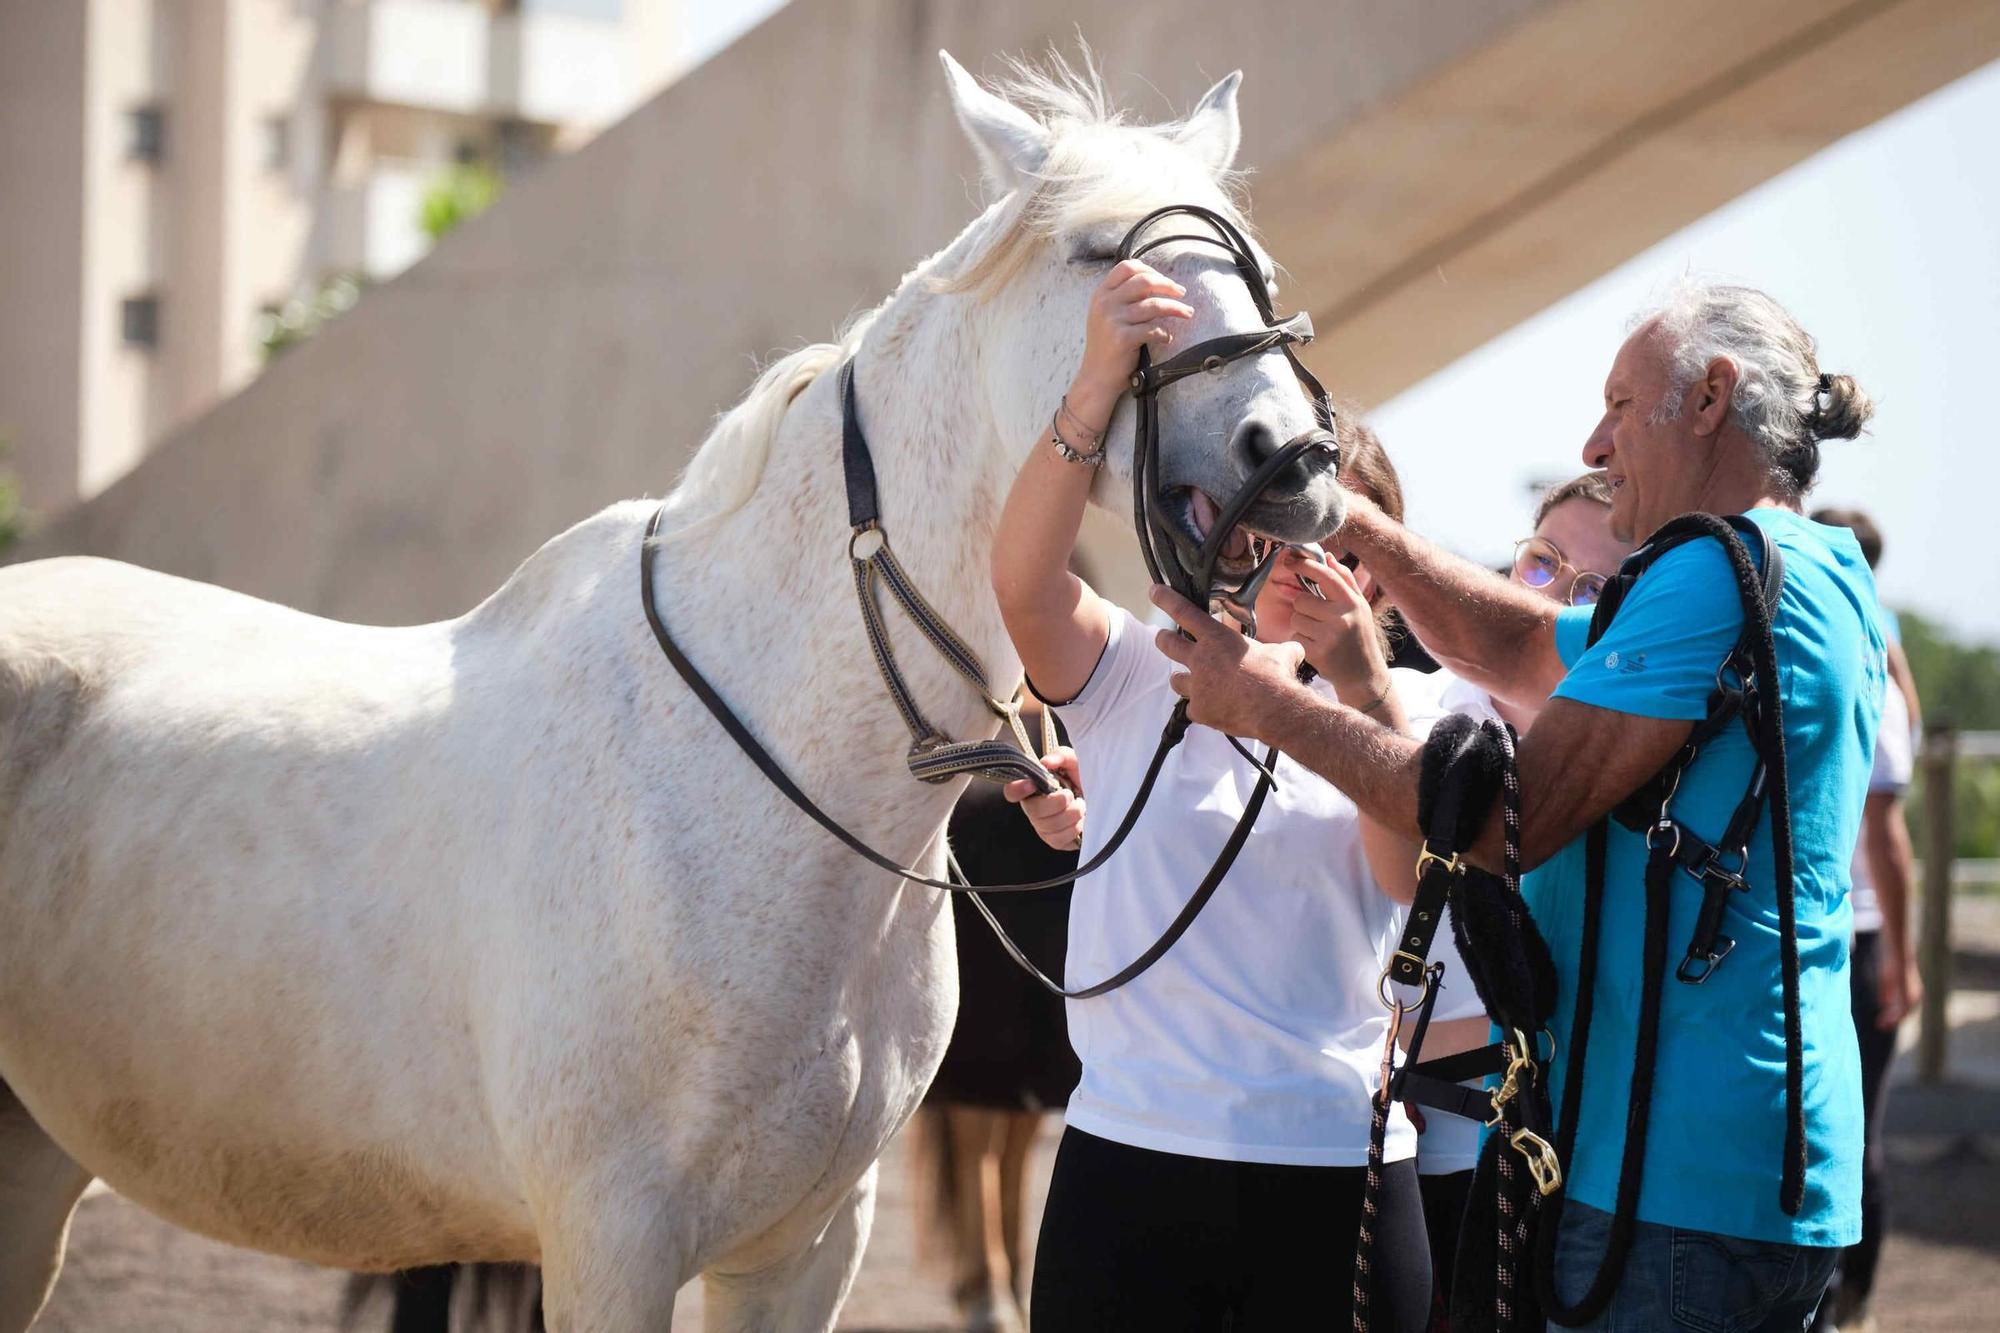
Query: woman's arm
column 1343, row 642
column 1058, row 625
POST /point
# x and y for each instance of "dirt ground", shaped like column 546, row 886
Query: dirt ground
column 128, row 1273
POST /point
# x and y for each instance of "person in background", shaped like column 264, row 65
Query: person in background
column 1885, row 983
column 1008, row 1064
column 1567, row 558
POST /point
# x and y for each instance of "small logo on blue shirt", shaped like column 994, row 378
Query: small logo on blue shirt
column 1630, row 665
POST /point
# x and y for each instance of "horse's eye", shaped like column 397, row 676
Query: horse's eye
column 1094, row 258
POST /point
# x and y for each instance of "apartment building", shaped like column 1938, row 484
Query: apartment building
column 174, row 171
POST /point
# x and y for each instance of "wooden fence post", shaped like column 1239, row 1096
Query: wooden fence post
column 1934, row 939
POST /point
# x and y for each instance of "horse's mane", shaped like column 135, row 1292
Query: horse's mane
column 1092, row 175
column 724, row 472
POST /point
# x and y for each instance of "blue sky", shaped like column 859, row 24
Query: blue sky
column 1886, row 245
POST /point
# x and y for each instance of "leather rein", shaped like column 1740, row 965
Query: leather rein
column 934, row 757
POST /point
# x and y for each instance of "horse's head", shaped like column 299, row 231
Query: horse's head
column 1071, row 181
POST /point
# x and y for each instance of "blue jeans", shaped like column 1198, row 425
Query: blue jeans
column 1694, row 1280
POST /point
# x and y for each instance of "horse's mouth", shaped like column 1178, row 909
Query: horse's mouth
column 1193, row 513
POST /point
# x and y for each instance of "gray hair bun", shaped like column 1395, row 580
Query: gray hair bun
column 1840, row 409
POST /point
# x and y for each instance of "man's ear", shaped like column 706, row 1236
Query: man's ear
column 1012, row 147
column 1709, row 397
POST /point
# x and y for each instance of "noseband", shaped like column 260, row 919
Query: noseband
column 1159, row 542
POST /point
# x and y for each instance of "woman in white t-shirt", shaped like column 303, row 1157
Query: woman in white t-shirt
column 1211, row 1172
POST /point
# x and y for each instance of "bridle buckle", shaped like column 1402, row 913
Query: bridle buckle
column 1450, row 864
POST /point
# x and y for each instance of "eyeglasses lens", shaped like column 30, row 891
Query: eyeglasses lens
column 1535, row 564
column 1586, row 590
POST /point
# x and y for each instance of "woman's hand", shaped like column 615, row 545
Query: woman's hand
column 1058, row 817
column 1135, row 306
column 1339, row 634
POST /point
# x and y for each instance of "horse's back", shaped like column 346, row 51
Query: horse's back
column 219, row 912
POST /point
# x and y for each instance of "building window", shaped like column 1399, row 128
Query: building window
column 146, row 131
column 139, row 321
column 277, row 141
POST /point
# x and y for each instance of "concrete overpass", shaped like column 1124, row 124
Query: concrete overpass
column 1429, row 174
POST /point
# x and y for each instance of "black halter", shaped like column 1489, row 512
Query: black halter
column 935, row 758
column 1169, row 560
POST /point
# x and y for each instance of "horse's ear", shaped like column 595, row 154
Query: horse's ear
column 1212, row 132
column 1011, row 146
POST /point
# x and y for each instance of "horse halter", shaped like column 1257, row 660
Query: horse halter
column 1193, row 573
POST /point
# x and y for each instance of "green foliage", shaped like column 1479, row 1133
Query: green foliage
column 13, row 514
column 1960, row 685
column 459, row 193
column 302, row 317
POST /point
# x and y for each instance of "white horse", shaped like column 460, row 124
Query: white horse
column 477, row 940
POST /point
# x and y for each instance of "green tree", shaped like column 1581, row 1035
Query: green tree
column 458, row 194
column 13, row 514
column 302, row 317
column 1960, row 685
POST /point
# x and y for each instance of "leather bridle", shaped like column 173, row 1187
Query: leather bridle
column 1193, row 573
column 934, row 757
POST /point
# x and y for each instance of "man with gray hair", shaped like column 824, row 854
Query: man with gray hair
column 1744, row 1178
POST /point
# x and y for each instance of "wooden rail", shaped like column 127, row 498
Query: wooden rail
column 1934, row 931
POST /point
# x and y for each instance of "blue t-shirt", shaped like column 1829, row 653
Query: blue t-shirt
column 1714, row 1147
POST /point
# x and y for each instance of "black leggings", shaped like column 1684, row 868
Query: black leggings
column 1143, row 1240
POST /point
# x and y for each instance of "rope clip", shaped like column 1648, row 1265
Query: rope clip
column 1541, row 1159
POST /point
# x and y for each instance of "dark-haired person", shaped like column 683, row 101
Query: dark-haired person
column 1885, row 981
column 1715, row 403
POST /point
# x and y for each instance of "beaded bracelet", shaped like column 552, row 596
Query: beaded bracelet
column 1068, row 452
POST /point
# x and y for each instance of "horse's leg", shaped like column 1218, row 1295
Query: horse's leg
column 39, row 1187
column 800, row 1293
column 612, row 1265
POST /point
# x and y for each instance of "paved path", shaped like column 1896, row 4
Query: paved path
column 1940, row 1273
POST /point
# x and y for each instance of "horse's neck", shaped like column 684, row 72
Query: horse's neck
column 776, row 609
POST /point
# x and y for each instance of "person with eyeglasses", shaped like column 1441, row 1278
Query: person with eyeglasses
column 1567, row 558
column 1571, row 554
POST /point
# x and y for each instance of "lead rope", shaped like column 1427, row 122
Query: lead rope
column 1520, row 1190
column 1516, row 1203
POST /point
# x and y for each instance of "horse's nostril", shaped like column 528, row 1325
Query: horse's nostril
column 1293, row 464
column 1256, row 442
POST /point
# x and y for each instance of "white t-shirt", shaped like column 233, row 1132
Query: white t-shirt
column 1894, row 758
column 1450, row 1143
column 1258, row 1037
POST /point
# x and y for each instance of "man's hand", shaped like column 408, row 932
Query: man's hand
column 1058, row 817
column 1236, row 685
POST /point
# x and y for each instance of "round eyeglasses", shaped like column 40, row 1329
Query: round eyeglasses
column 1539, row 562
